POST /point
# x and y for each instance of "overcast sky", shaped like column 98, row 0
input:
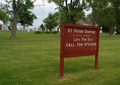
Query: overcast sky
column 43, row 10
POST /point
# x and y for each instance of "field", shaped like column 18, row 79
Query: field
column 33, row 59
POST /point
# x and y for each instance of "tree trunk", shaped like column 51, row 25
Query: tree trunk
column 71, row 20
column 110, row 32
column 93, row 15
column 14, row 26
column 66, row 10
column 24, row 28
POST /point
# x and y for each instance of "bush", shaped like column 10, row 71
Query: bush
column 47, row 32
column 38, row 32
column 43, row 32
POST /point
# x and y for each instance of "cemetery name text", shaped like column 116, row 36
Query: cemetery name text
column 81, row 38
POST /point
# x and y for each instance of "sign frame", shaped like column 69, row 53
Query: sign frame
column 63, row 49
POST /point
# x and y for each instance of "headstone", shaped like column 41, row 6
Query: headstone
column 115, row 32
column 28, row 29
column 100, row 30
column 19, row 28
column 22, row 28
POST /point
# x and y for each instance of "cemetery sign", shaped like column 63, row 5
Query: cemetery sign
column 78, row 40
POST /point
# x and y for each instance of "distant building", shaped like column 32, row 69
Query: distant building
column 83, row 22
column 3, row 27
column 87, row 23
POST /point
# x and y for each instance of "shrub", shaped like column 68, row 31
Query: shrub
column 47, row 32
column 38, row 32
column 43, row 32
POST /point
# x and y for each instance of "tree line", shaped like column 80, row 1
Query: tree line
column 105, row 13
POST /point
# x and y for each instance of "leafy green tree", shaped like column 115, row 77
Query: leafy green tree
column 16, row 5
column 25, row 16
column 4, row 17
column 43, row 27
column 97, row 6
column 70, row 10
column 107, row 19
column 50, row 21
column 116, row 6
column 105, row 13
column 89, row 17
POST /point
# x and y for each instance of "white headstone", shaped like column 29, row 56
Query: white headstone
column 22, row 28
column 19, row 28
column 28, row 29
column 100, row 30
column 115, row 32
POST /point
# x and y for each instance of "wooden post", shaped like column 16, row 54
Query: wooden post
column 96, row 61
column 61, row 67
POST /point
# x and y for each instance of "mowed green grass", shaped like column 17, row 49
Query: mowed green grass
column 33, row 59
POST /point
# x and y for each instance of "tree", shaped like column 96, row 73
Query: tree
column 70, row 10
column 3, row 16
column 107, row 18
column 97, row 6
column 89, row 17
column 43, row 27
column 50, row 21
column 25, row 16
column 116, row 6
column 104, row 14
column 16, row 5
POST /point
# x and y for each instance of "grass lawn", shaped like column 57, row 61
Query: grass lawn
column 33, row 59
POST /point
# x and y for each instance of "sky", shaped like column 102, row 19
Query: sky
column 42, row 11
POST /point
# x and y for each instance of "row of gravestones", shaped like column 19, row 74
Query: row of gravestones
column 27, row 28
column 4, row 27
